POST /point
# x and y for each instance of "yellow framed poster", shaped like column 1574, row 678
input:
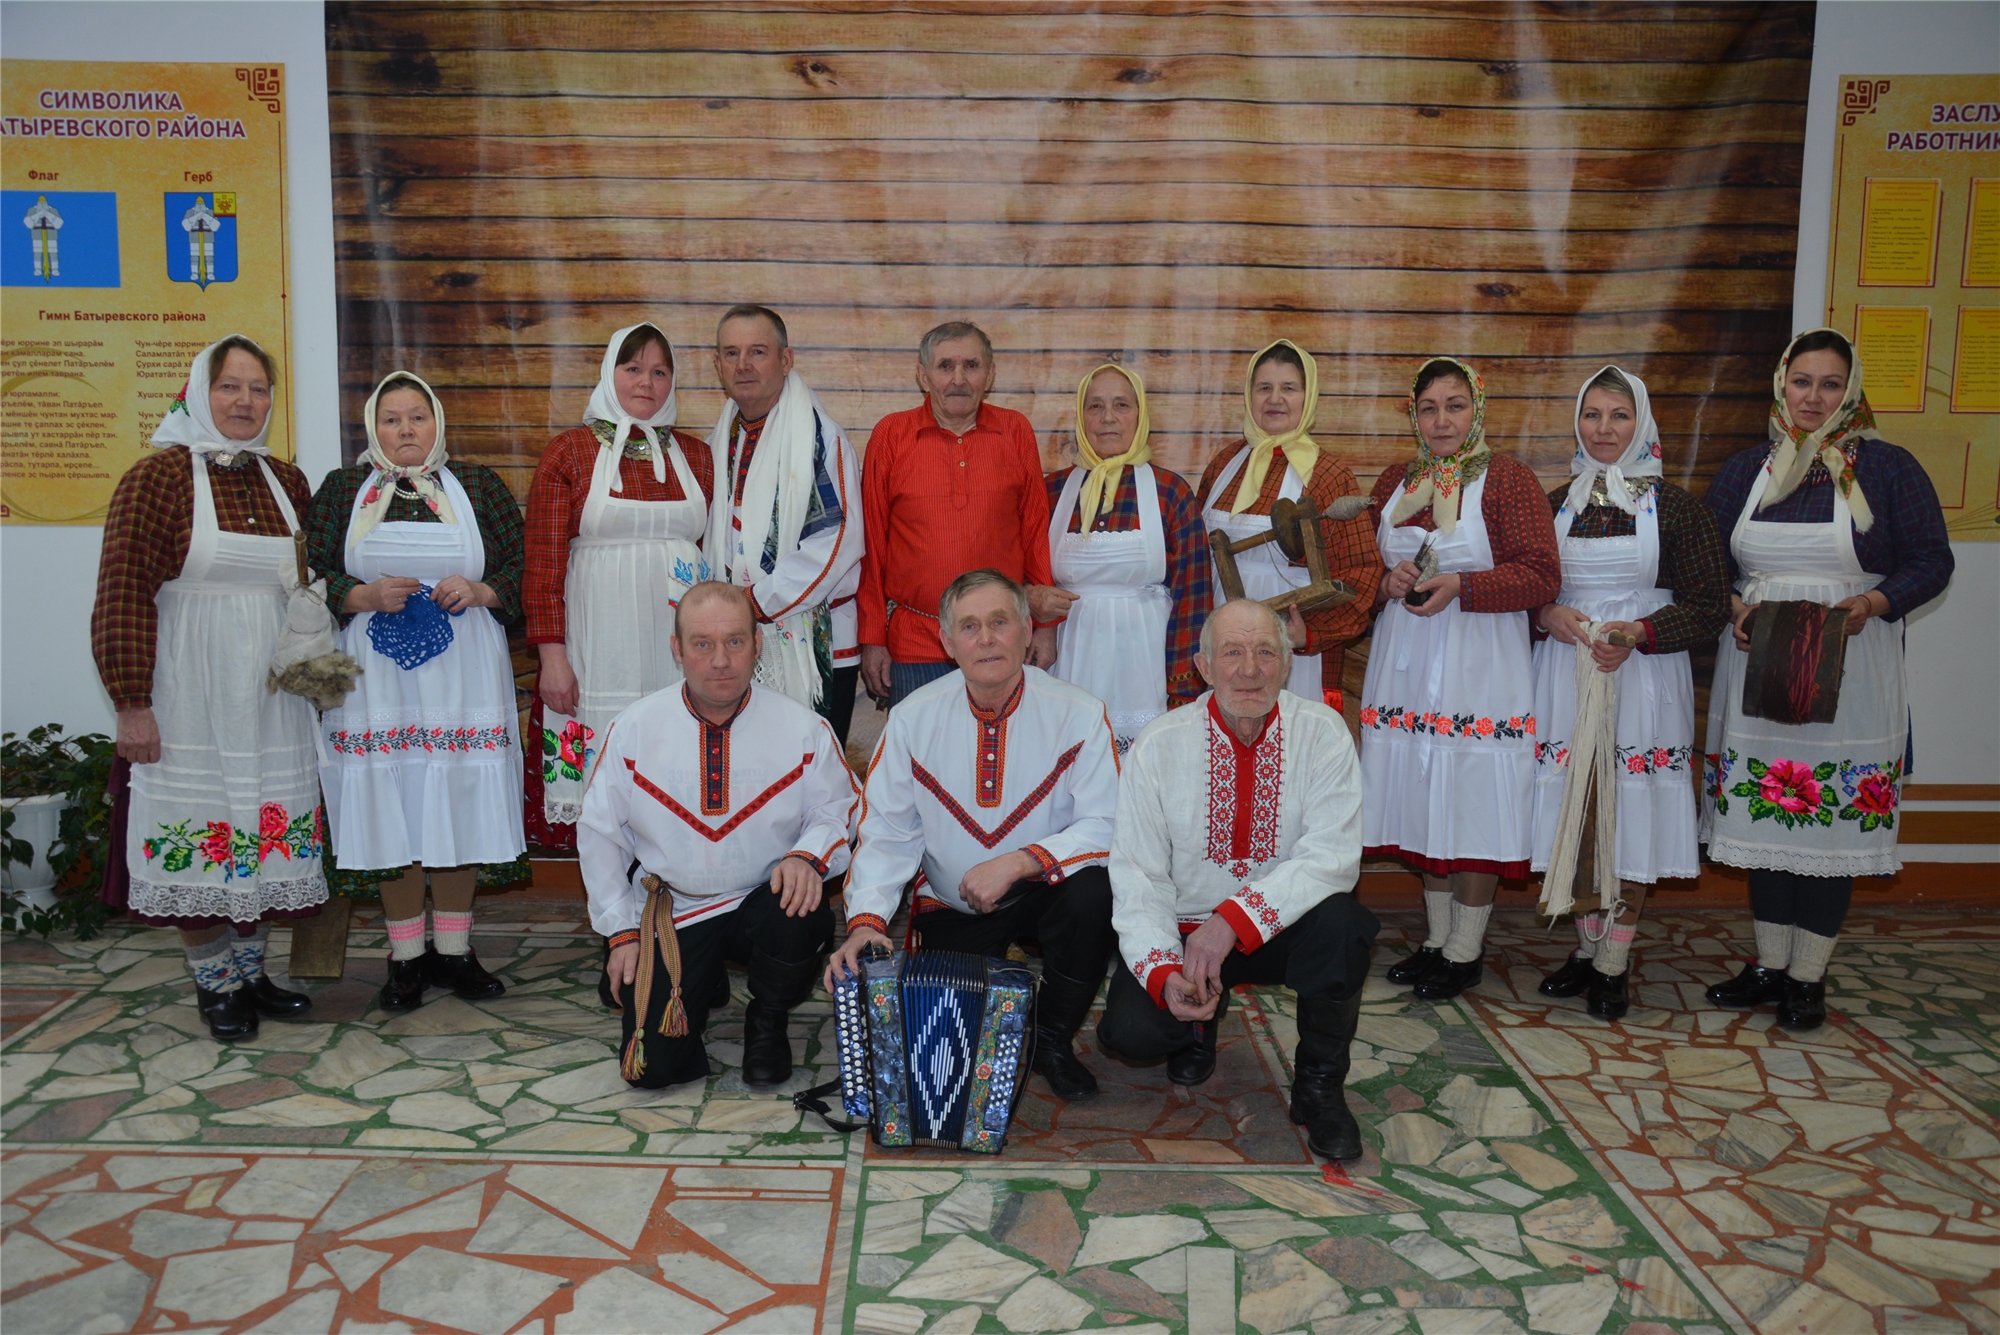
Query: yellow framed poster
column 142, row 217
column 1913, row 263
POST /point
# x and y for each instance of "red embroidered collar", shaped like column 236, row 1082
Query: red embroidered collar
column 990, row 764
column 1242, row 747
column 1004, row 712
column 715, row 754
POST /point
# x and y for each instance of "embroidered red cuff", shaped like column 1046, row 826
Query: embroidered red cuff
column 629, row 937
column 1651, row 638
column 1157, row 974
column 1052, row 870
column 872, row 921
column 817, row 864
column 1241, row 922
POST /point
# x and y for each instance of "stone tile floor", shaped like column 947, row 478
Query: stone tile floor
column 483, row 1169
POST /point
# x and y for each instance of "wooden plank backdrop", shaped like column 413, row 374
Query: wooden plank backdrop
column 1539, row 188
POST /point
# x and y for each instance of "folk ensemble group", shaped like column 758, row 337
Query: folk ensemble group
column 1087, row 749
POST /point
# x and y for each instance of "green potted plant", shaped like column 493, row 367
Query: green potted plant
column 55, row 821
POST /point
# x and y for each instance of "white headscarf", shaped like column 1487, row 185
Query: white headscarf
column 604, row 405
column 1641, row 457
column 381, row 485
column 189, row 422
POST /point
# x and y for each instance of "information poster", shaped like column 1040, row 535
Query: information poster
column 1915, row 274
column 142, row 217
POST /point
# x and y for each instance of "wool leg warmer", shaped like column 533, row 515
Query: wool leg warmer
column 1810, row 953
column 1438, row 909
column 1468, row 932
column 1774, row 944
column 214, row 965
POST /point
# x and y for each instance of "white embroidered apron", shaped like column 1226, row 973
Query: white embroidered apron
column 1113, row 643
column 629, row 564
column 1448, row 717
column 227, row 822
column 1818, row 799
column 426, row 762
column 1266, row 571
column 1612, row 579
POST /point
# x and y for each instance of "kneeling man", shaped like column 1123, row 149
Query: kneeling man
column 998, row 783
column 1238, row 845
column 715, row 813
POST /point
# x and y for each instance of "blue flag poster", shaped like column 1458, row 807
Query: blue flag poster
column 58, row 238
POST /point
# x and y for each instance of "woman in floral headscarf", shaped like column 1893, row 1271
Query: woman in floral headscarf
column 1640, row 557
column 422, row 764
column 1829, row 513
column 1448, row 708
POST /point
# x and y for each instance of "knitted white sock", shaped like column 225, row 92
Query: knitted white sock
column 1589, row 930
column 451, row 932
column 1468, row 932
column 1615, row 949
column 406, row 937
column 1774, row 944
column 249, row 952
column 1809, row 956
column 213, row 965
column 1437, row 908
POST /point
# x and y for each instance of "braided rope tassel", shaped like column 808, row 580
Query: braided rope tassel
column 656, row 928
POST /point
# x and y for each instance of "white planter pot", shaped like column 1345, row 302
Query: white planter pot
column 38, row 820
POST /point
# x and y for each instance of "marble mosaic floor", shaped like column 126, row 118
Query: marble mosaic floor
column 482, row 1168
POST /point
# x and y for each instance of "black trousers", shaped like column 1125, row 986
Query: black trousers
column 836, row 701
column 1322, row 957
column 1816, row 903
column 1070, row 920
column 783, row 954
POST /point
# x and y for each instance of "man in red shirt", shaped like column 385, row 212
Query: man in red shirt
column 952, row 485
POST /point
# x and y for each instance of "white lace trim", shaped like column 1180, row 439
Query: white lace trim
column 1758, row 857
column 561, row 813
column 155, row 899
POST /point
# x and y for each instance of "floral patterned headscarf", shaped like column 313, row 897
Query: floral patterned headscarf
column 1439, row 482
column 1835, row 443
column 380, row 489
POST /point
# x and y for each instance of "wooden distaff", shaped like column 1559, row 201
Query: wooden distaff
column 1295, row 529
column 299, row 552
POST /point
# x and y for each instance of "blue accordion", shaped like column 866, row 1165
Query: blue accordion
column 934, row 1047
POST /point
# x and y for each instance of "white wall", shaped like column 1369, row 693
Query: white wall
column 48, row 576
column 1952, row 642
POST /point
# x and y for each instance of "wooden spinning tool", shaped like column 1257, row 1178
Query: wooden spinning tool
column 1295, row 529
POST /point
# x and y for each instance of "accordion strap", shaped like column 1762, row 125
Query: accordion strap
column 656, row 928
column 814, row 1101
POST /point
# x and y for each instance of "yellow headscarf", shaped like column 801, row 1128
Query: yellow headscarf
column 1839, row 437
column 1300, row 448
column 1102, row 485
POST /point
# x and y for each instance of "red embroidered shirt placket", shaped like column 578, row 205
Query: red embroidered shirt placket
column 1245, row 780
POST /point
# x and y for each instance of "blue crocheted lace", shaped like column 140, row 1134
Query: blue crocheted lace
column 414, row 636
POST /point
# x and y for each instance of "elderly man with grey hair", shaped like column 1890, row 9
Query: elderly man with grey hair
column 951, row 485
column 1237, row 849
column 994, row 788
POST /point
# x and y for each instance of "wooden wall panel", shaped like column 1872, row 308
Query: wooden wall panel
column 1539, row 188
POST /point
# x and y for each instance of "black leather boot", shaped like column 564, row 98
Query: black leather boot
column 229, row 1015
column 1755, row 986
column 1607, row 998
column 272, row 1000
column 1448, row 979
column 775, row 987
column 1412, row 968
column 404, row 990
column 463, row 974
column 1803, row 1006
column 1572, row 980
column 1319, row 1077
column 1061, row 1006
column 1195, row 1063
column 606, row 997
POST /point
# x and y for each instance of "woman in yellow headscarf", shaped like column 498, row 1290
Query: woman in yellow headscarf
column 1128, row 540
column 1277, row 457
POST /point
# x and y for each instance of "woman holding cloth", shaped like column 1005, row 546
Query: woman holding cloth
column 423, row 770
column 215, row 821
column 1448, row 708
column 615, row 520
column 1278, row 458
column 1127, row 538
column 1828, row 513
column 1641, row 557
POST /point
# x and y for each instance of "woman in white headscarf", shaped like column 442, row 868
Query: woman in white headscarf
column 216, row 818
column 1642, row 558
column 423, row 768
column 615, row 523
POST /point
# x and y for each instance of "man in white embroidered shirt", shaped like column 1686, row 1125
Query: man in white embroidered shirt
column 1238, row 846
column 995, row 787
column 715, row 814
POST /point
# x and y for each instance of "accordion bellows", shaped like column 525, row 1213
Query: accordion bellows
column 934, row 1047
column 1797, row 650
